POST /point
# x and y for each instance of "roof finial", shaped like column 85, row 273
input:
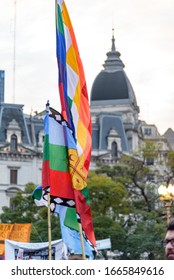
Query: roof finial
column 113, row 49
column 47, row 106
column 113, row 32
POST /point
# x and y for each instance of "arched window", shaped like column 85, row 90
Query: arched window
column 114, row 150
column 13, row 144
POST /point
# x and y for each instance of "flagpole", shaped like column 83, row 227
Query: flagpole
column 81, row 240
column 49, row 230
column 49, row 212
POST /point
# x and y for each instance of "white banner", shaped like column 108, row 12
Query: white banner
column 39, row 251
column 103, row 244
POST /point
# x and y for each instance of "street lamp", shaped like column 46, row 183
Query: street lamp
column 167, row 196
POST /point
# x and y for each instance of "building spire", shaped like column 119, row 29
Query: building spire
column 113, row 61
column 113, row 49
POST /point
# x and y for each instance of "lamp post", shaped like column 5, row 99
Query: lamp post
column 167, row 196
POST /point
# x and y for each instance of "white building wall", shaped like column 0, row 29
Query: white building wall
column 4, row 199
column 29, row 170
column 4, row 178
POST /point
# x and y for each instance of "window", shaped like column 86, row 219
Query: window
column 114, row 151
column 149, row 161
column 13, row 145
column 13, row 176
column 151, row 177
column 147, row 131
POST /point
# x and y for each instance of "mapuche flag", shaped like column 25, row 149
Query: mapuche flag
column 63, row 176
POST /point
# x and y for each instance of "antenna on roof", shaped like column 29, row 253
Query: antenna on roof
column 113, row 49
column 14, row 52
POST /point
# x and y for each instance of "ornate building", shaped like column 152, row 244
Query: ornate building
column 114, row 110
column 116, row 129
column 21, row 141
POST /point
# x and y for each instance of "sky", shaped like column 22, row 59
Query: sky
column 144, row 34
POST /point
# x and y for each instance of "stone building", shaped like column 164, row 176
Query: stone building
column 116, row 129
column 21, row 142
column 114, row 110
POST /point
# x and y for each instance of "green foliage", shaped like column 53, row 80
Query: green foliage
column 122, row 201
column 106, row 196
column 133, row 218
column 105, row 227
column 150, row 150
column 170, row 165
column 24, row 210
column 147, row 236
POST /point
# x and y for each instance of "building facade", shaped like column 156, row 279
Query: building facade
column 116, row 127
column 116, row 130
column 21, row 143
column 115, row 124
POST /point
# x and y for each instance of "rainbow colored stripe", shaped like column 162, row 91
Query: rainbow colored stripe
column 72, row 85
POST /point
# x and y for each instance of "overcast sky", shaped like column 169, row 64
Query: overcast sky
column 144, row 33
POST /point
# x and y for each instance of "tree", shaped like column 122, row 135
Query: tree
column 105, row 227
column 122, row 205
column 140, row 238
column 145, row 241
column 169, row 167
column 24, row 210
column 107, row 196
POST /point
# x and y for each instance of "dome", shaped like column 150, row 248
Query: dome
column 112, row 83
column 109, row 85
